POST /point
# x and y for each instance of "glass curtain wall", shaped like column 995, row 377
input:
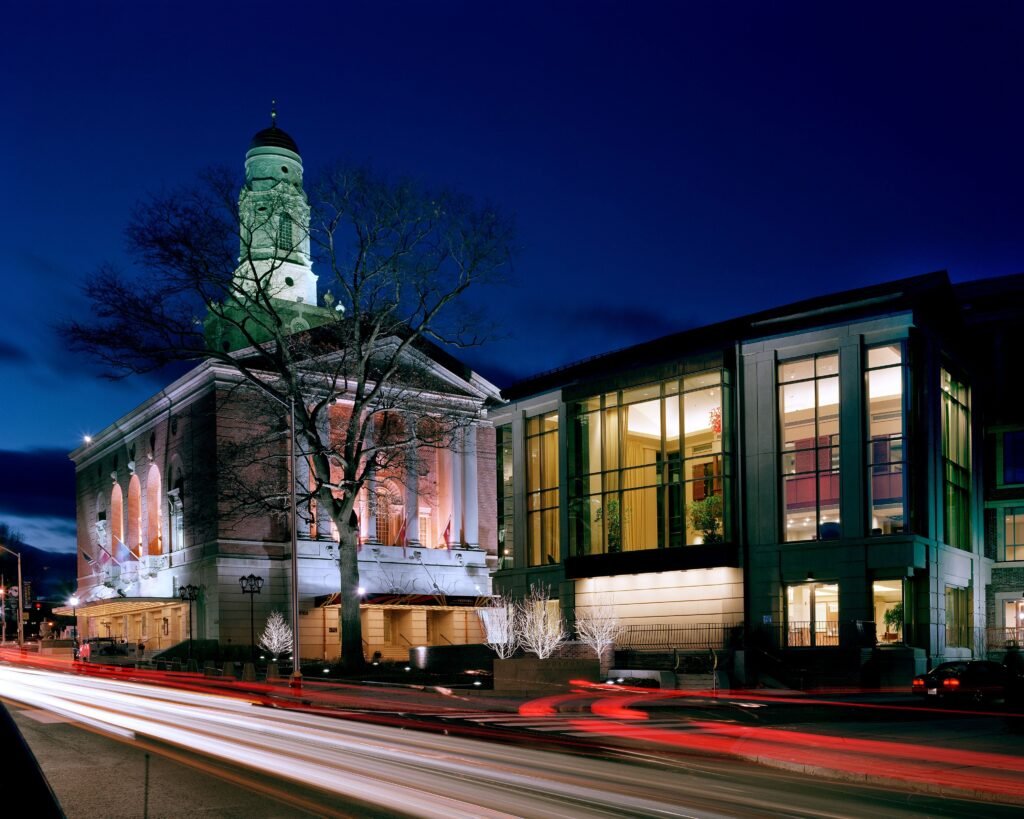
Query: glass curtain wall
column 886, row 457
column 650, row 466
column 506, row 517
column 542, row 489
column 809, row 439
column 956, row 461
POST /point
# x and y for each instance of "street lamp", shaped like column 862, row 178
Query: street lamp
column 189, row 594
column 21, row 628
column 73, row 602
column 251, row 585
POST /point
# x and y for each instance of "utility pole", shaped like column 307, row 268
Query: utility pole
column 21, row 626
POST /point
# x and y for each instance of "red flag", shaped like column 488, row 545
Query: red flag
column 448, row 534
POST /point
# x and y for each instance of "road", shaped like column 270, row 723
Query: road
column 331, row 766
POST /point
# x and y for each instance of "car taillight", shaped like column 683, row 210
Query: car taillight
column 917, row 683
column 951, row 682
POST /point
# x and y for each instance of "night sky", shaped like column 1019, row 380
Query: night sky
column 667, row 164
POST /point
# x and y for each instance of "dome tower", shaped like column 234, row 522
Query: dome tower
column 274, row 220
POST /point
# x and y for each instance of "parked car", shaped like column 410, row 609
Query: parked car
column 972, row 680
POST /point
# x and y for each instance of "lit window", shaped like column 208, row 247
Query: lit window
column 649, row 466
column 542, row 489
column 956, row 461
column 809, row 442
column 812, row 614
column 1013, row 533
column 886, row 422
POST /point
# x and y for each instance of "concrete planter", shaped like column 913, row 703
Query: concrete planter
column 528, row 674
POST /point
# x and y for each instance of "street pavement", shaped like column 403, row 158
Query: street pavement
column 877, row 738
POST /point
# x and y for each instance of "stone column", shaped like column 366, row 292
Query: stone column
column 412, row 492
column 456, row 484
column 471, row 507
column 369, row 525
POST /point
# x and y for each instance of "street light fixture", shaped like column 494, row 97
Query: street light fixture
column 251, row 585
column 21, row 628
column 189, row 594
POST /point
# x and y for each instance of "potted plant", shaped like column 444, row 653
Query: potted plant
column 893, row 618
column 610, row 513
column 706, row 517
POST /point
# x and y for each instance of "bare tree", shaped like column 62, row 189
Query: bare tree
column 498, row 618
column 394, row 263
column 598, row 627
column 277, row 635
column 539, row 623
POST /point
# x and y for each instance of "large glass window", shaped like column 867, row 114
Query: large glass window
column 887, row 601
column 1013, row 533
column 886, row 457
column 812, row 614
column 958, row 617
column 542, row 489
column 506, row 539
column 956, row 461
column 649, row 467
column 809, row 442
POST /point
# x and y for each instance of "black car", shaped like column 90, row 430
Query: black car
column 973, row 680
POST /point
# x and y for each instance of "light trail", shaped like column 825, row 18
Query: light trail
column 373, row 761
column 403, row 771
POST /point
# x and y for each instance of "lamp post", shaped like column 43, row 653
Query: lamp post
column 189, row 594
column 73, row 602
column 21, row 628
column 251, row 585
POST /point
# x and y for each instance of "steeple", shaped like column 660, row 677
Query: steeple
column 274, row 219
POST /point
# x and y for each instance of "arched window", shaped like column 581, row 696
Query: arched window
column 391, row 524
column 134, row 539
column 117, row 547
column 154, row 537
column 176, row 507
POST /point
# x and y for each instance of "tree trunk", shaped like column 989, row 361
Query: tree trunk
column 350, row 627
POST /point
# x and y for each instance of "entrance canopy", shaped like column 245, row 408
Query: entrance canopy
column 119, row 605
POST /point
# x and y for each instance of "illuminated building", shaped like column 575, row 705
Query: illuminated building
column 159, row 503
column 812, row 474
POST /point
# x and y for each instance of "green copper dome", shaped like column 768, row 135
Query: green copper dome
column 273, row 137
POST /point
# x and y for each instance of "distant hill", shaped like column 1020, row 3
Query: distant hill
column 53, row 575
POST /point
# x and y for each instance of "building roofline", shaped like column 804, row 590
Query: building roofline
column 892, row 295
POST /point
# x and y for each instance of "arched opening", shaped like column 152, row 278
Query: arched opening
column 117, row 547
column 134, row 539
column 175, row 509
column 154, row 537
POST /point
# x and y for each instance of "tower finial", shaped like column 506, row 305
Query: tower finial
column 273, row 113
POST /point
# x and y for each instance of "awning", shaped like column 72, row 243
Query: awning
column 117, row 605
column 440, row 600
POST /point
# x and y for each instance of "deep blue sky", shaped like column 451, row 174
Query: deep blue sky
column 668, row 164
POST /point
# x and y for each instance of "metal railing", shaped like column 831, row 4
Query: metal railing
column 668, row 636
column 801, row 634
column 1007, row 637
